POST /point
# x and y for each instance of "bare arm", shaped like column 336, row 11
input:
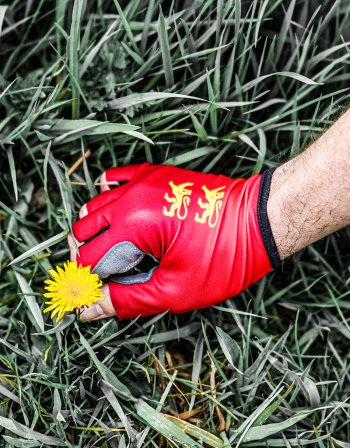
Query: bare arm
column 310, row 195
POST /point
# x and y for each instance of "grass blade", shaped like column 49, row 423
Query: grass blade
column 163, row 426
column 74, row 51
column 165, row 50
column 40, row 247
column 31, row 301
column 264, row 431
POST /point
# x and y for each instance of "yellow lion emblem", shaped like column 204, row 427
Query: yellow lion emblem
column 212, row 207
column 180, row 201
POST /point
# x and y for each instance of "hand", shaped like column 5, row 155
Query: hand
column 204, row 233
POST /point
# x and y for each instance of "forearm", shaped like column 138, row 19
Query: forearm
column 310, row 195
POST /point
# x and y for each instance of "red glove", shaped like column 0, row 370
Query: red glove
column 210, row 235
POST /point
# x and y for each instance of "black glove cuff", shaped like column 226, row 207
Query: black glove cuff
column 265, row 229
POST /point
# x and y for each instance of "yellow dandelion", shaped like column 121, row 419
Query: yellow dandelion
column 70, row 288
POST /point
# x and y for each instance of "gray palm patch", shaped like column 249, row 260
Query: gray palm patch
column 121, row 258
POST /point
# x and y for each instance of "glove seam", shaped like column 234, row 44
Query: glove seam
column 264, row 224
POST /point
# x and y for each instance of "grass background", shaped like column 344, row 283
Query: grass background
column 267, row 369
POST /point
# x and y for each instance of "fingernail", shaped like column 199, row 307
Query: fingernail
column 83, row 211
column 103, row 180
column 95, row 311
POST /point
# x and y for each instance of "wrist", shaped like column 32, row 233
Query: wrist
column 284, row 216
column 267, row 234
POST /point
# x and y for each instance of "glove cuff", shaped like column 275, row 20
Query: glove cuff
column 265, row 228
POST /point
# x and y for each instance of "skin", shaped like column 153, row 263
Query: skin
column 308, row 200
column 309, row 195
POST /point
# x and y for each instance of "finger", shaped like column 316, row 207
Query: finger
column 104, row 186
column 90, row 225
column 119, row 174
column 102, row 199
column 101, row 309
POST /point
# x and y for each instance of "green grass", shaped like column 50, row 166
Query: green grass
column 225, row 87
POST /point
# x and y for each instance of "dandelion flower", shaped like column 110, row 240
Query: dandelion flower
column 70, row 288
